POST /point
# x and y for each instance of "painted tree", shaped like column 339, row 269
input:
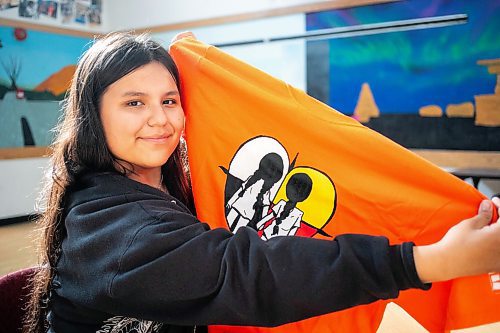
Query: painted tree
column 12, row 68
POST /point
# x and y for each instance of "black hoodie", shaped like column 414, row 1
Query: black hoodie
column 132, row 251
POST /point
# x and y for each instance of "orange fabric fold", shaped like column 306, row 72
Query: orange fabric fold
column 241, row 120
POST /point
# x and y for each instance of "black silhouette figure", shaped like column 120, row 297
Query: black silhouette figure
column 250, row 200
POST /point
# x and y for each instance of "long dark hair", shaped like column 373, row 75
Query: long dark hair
column 298, row 188
column 270, row 171
column 80, row 146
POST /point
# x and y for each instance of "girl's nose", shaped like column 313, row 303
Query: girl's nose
column 158, row 116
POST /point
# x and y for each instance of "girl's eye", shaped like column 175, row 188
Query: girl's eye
column 169, row 102
column 135, row 103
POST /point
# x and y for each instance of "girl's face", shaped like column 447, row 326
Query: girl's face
column 142, row 117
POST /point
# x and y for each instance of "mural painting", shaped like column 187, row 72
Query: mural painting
column 35, row 72
column 432, row 88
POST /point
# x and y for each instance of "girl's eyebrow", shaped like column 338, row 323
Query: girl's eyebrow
column 133, row 93
column 139, row 93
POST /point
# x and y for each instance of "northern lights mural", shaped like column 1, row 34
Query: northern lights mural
column 422, row 86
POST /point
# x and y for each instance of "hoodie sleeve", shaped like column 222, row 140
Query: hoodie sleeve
column 176, row 270
column 151, row 259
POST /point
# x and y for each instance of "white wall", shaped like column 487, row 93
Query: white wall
column 120, row 15
column 143, row 14
column 285, row 60
column 20, row 185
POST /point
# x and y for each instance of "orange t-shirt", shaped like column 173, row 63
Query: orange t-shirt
column 347, row 177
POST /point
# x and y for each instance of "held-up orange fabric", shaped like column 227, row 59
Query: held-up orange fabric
column 254, row 139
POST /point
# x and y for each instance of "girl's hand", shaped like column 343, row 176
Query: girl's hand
column 185, row 34
column 471, row 247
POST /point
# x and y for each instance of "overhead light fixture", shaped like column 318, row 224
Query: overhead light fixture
column 364, row 29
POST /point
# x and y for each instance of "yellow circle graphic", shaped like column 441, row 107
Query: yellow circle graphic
column 319, row 206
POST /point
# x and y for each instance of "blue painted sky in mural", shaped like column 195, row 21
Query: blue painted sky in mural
column 407, row 70
column 41, row 54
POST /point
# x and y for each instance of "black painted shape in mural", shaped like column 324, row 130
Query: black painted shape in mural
column 318, row 70
column 413, row 131
column 27, row 135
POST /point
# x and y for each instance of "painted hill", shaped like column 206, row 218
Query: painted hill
column 58, row 82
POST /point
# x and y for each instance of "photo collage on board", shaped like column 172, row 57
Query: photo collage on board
column 84, row 12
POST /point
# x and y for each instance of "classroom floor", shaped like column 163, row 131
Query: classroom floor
column 16, row 248
column 17, row 251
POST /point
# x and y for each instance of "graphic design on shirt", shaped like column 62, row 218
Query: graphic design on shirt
column 119, row 324
column 266, row 192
